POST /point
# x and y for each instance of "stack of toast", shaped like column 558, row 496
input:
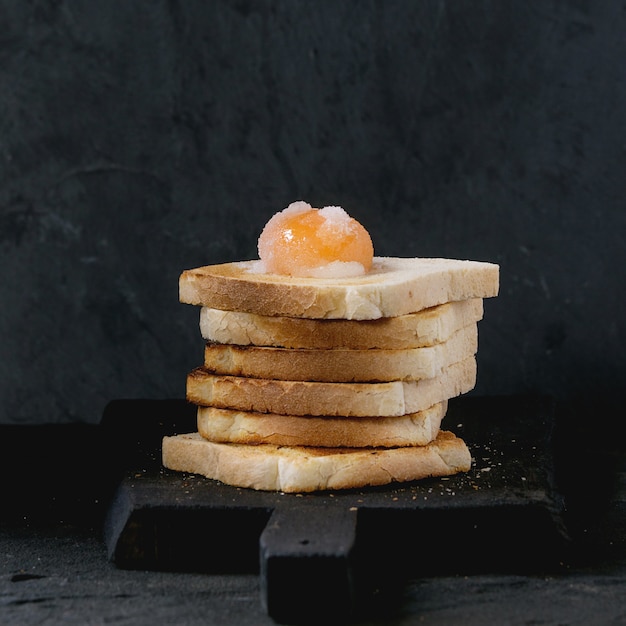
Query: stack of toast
column 315, row 384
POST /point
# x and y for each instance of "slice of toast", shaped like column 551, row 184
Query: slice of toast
column 339, row 365
column 331, row 399
column 414, row 429
column 300, row 469
column 394, row 286
column 413, row 330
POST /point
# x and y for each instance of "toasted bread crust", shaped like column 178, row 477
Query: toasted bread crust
column 395, row 286
column 413, row 330
column 330, row 399
column 226, row 425
column 300, row 469
column 341, row 365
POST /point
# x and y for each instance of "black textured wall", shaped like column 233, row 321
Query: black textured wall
column 142, row 138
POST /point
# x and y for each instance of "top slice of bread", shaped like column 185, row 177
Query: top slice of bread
column 413, row 330
column 394, row 286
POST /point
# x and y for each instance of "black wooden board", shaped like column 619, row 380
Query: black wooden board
column 319, row 554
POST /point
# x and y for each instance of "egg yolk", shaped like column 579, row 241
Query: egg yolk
column 303, row 241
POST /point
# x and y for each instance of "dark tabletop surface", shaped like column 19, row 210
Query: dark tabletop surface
column 55, row 564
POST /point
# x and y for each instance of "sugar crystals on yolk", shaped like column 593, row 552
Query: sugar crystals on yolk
column 325, row 243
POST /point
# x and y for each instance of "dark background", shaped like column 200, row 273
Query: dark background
column 142, row 138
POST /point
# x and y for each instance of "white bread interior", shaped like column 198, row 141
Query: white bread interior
column 300, row 469
column 331, row 399
column 227, row 425
column 413, row 330
column 394, row 286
